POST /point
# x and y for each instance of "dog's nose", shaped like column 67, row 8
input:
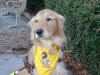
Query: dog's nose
column 39, row 31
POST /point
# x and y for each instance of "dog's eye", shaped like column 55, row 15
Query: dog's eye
column 36, row 20
column 49, row 19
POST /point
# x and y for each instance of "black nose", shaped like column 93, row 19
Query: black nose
column 39, row 31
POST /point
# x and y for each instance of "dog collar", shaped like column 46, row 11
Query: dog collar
column 46, row 59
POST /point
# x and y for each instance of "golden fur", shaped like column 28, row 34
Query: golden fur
column 53, row 34
column 53, row 28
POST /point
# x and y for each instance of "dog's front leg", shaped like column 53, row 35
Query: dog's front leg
column 31, row 55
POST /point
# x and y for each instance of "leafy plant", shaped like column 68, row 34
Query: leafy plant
column 35, row 4
column 82, row 29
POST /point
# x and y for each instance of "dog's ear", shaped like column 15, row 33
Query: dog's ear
column 30, row 24
column 61, row 21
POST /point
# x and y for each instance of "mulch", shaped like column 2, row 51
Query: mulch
column 75, row 66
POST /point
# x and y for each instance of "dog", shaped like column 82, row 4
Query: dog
column 47, row 33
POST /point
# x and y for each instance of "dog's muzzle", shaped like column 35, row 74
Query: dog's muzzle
column 39, row 33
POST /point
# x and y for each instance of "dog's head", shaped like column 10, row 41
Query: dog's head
column 47, row 25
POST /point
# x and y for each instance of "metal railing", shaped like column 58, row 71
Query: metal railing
column 16, row 6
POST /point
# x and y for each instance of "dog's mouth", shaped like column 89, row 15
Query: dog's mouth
column 40, row 34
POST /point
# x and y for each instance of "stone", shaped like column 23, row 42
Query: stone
column 14, row 36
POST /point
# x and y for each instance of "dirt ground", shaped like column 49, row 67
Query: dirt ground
column 75, row 66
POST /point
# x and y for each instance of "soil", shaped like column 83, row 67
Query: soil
column 75, row 66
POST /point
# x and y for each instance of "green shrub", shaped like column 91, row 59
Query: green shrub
column 35, row 4
column 82, row 29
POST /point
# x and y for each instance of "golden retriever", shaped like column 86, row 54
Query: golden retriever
column 46, row 31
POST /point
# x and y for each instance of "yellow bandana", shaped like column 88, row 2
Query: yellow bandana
column 46, row 59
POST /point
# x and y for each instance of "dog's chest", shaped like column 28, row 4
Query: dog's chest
column 46, row 59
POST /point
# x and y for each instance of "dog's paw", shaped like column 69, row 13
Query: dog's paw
column 31, row 61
